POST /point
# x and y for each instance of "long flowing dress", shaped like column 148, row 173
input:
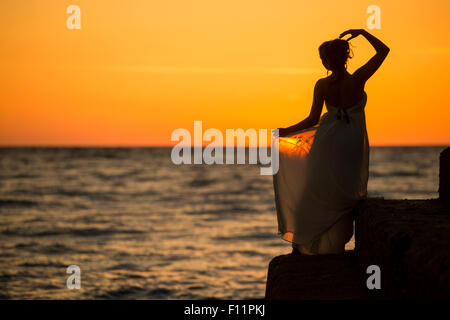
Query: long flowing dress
column 323, row 174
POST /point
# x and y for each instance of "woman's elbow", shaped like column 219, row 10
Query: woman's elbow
column 313, row 120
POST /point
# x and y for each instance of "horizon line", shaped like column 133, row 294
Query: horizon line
column 171, row 146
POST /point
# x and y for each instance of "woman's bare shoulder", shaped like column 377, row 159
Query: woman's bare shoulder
column 322, row 83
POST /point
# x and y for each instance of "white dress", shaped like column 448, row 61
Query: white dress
column 323, row 174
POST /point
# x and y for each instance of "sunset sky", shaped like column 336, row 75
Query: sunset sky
column 137, row 70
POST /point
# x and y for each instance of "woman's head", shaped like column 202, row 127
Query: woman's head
column 334, row 54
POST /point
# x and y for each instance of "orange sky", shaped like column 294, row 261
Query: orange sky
column 137, row 70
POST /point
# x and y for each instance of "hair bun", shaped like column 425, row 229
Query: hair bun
column 335, row 53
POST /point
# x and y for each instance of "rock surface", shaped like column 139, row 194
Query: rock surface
column 444, row 176
column 295, row 276
column 409, row 240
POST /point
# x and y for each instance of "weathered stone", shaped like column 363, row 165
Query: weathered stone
column 295, row 276
column 409, row 240
column 444, row 176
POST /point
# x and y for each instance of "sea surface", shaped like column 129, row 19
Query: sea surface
column 140, row 227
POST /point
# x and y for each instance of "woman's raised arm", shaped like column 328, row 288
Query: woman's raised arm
column 367, row 70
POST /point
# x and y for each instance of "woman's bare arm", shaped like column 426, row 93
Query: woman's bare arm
column 314, row 114
column 367, row 70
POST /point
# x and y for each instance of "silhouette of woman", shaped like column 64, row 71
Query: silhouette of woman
column 324, row 161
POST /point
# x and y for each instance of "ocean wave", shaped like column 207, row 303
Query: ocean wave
column 116, row 176
column 18, row 176
column 81, row 232
column 22, row 245
column 51, row 264
column 124, row 266
column 249, row 237
column 197, row 182
column 393, row 174
column 135, row 292
column 159, row 293
column 222, row 211
column 55, row 191
column 17, row 203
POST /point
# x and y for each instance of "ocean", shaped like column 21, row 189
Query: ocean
column 140, row 227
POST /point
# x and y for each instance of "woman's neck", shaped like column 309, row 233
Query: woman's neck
column 338, row 73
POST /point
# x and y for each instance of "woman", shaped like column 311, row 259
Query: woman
column 324, row 161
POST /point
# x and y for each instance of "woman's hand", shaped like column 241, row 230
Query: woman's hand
column 283, row 132
column 353, row 32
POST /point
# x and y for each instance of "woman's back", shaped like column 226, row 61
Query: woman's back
column 343, row 92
